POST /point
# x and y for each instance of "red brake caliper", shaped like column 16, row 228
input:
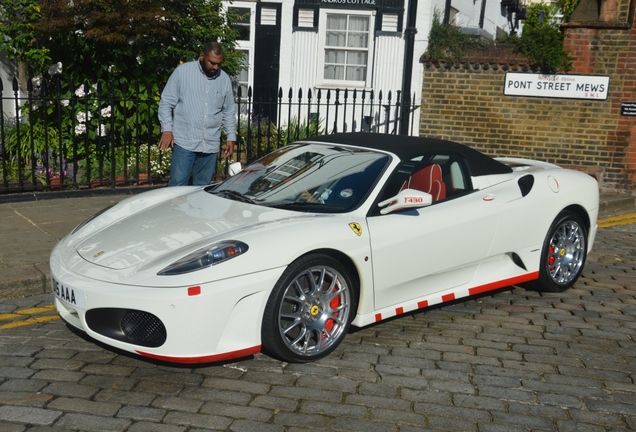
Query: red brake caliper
column 551, row 256
column 334, row 304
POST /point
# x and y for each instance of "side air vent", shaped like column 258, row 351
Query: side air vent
column 517, row 260
column 525, row 184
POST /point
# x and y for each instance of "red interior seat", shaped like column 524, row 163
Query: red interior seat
column 429, row 180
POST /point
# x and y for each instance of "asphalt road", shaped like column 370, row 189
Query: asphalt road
column 516, row 360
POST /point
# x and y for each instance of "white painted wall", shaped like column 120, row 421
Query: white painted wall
column 287, row 59
column 7, row 72
column 304, row 61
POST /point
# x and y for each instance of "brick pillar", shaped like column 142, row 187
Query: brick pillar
column 606, row 45
column 578, row 43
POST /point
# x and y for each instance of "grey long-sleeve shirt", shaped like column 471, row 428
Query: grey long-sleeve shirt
column 194, row 108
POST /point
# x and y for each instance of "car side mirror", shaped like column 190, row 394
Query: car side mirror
column 235, row 168
column 407, row 198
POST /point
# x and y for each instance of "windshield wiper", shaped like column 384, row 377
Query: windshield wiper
column 234, row 195
column 304, row 205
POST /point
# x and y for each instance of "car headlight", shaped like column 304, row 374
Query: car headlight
column 206, row 257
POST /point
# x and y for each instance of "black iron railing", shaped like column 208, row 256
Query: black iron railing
column 66, row 135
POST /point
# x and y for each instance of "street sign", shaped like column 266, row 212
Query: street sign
column 556, row 86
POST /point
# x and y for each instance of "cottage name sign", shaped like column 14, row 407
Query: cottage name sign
column 350, row 2
column 557, row 86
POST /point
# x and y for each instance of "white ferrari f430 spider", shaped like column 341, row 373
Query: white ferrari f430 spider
column 319, row 235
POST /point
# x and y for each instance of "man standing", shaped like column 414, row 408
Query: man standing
column 196, row 102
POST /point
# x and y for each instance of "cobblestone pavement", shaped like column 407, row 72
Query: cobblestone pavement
column 514, row 361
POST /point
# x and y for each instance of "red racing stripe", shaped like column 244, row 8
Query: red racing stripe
column 472, row 291
column 504, row 283
column 448, row 297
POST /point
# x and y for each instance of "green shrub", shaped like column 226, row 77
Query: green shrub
column 541, row 40
column 446, row 42
column 29, row 138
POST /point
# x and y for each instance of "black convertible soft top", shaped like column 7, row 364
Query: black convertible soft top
column 408, row 147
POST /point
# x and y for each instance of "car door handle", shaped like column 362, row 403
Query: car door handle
column 489, row 197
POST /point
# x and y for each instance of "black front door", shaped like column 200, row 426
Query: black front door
column 266, row 59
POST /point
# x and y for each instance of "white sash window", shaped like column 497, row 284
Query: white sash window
column 346, row 40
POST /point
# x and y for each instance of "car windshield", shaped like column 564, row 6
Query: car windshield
column 307, row 177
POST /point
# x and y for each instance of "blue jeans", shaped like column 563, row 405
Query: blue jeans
column 191, row 167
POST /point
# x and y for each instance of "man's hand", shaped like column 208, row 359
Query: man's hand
column 166, row 141
column 229, row 149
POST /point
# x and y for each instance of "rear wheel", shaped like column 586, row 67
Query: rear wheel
column 563, row 254
column 309, row 310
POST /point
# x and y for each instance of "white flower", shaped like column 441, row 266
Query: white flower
column 37, row 81
column 80, row 129
column 83, row 116
column 65, row 102
column 101, row 130
column 106, row 111
column 80, row 92
column 56, row 68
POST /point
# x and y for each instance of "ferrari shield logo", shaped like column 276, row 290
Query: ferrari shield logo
column 356, row 227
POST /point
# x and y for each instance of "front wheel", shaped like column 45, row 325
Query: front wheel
column 309, row 310
column 563, row 254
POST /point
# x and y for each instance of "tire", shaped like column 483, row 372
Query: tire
column 563, row 254
column 309, row 310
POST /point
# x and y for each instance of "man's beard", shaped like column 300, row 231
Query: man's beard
column 208, row 72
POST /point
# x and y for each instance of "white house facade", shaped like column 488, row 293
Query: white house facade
column 349, row 44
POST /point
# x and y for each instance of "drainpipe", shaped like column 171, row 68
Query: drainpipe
column 407, row 73
column 482, row 14
column 447, row 11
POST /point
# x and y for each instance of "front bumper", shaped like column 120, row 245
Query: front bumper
column 184, row 324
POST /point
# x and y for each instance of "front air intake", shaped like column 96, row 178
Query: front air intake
column 128, row 325
column 144, row 327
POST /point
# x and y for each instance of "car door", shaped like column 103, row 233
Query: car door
column 431, row 249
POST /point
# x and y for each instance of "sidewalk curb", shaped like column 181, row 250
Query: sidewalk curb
column 617, row 202
column 76, row 193
column 25, row 281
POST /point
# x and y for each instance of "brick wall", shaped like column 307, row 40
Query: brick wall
column 465, row 102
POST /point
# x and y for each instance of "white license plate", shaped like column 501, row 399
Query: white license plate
column 71, row 296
